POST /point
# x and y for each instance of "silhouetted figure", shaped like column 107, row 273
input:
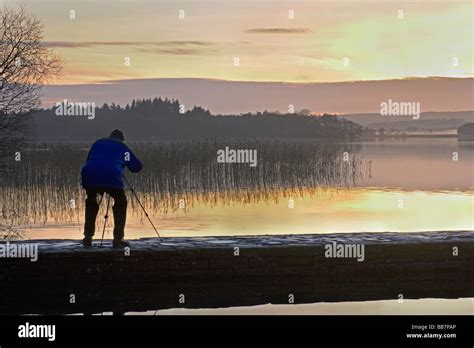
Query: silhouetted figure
column 104, row 173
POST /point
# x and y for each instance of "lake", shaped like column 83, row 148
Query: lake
column 405, row 186
column 410, row 185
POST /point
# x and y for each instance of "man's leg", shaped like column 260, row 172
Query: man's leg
column 120, row 212
column 92, row 208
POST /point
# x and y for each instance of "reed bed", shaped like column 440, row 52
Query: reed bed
column 45, row 185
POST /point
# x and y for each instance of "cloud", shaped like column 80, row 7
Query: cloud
column 178, row 48
column 177, row 43
column 180, row 51
column 89, row 44
column 278, row 30
column 86, row 44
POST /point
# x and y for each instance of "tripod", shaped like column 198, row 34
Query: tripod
column 107, row 211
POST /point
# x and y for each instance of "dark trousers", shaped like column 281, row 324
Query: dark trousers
column 119, row 209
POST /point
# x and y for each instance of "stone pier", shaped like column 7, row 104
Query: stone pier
column 204, row 272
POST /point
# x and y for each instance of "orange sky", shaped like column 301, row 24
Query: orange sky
column 324, row 40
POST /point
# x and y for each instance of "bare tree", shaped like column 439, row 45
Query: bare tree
column 25, row 64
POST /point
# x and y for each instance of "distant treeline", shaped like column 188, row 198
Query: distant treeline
column 413, row 125
column 161, row 119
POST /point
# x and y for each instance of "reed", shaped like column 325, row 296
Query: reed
column 45, row 185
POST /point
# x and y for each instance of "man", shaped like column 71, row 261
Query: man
column 104, row 173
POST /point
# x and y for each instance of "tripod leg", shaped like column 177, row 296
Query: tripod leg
column 141, row 205
column 105, row 219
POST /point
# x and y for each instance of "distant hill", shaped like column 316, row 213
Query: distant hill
column 427, row 120
column 235, row 97
column 466, row 132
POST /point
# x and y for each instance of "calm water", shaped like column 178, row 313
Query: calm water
column 412, row 185
column 405, row 186
column 463, row 306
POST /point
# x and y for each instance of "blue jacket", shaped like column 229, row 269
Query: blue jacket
column 106, row 162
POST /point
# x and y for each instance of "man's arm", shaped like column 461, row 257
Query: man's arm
column 90, row 151
column 132, row 162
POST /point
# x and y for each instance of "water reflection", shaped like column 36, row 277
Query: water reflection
column 420, row 164
column 318, row 211
column 44, row 187
column 463, row 306
column 305, row 187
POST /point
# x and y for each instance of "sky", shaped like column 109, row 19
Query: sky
column 270, row 45
column 260, row 41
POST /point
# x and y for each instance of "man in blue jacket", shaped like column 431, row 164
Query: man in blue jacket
column 104, row 172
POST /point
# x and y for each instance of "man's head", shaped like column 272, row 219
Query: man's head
column 117, row 134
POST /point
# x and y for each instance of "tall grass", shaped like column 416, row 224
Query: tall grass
column 45, row 185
